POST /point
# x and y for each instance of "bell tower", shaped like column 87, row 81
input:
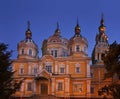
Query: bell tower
column 101, row 45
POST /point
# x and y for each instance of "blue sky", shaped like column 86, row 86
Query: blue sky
column 44, row 14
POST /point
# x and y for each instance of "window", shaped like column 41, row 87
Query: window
column 35, row 70
column 29, row 86
column 54, row 53
column 71, row 50
column 77, row 87
column 65, row 54
column 77, row 69
column 77, row 48
column 62, row 69
column 30, row 52
column 92, row 75
column 21, row 70
column 22, row 51
column 49, row 68
column 85, row 50
column 92, row 90
column 60, row 85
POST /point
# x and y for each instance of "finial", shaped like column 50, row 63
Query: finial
column 77, row 21
column 102, row 19
column 57, row 25
column 102, row 15
column 28, row 24
column 77, row 28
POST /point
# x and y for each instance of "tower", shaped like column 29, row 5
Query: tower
column 55, row 45
column 27, row 47
column 101, row 45
column 78, row 44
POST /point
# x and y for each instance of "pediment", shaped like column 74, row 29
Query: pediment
column 47, row 57
column 44, row 74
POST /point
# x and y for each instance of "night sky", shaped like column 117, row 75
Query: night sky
column 44, row 14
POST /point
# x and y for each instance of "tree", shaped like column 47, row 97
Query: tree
column 8, row 84
column 112, row 65
column 112, row 60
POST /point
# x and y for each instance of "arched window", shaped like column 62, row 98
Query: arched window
column 22, row 51
column 77, row 48
column 30, row 52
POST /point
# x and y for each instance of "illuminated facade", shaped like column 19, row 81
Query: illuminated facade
column 64, row 69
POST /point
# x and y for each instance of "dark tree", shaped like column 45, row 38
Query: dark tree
column 8, row 85
column 112, row 65
column 112, row 60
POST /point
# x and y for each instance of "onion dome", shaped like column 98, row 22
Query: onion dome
column 27, row 47
column 28, row 32
column 55, row 45
column 78, row 44
column 57, row 31
column 77, row 29
column 101, row 37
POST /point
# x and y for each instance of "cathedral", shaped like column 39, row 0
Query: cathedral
column 64, row 69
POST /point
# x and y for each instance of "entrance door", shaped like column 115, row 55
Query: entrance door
column 44, row 89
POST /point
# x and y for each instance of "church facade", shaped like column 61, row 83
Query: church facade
column 64, row 68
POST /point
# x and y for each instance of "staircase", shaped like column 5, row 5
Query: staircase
column 44, row 97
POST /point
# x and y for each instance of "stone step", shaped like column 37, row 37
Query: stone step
column 44, row 97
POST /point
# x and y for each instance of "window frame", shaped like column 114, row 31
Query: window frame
column 77, row 48
column 30, row 52
column 62, row 70
column 60, row 86
column 49, row 68
column 29, row 86
column 21, row 70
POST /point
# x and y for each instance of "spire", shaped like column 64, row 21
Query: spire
column 57, row 31
column 102, row 20
column 102, row 27
column 77, row 22
column 28, row 23
column 57, row 25
column 28, row 32
column 77, row 28
column 102, row 37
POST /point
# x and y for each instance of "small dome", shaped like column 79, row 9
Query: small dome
column 77, row 27
column 57, row 31
column 27, row 47
column 102, row 28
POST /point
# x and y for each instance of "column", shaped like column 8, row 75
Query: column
column 88, row 69
column 67, row 82
column 56, row 67
column 53, row 86
column 67, row 68
column 34, row 88
column 100, row 56
column 88, row 88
